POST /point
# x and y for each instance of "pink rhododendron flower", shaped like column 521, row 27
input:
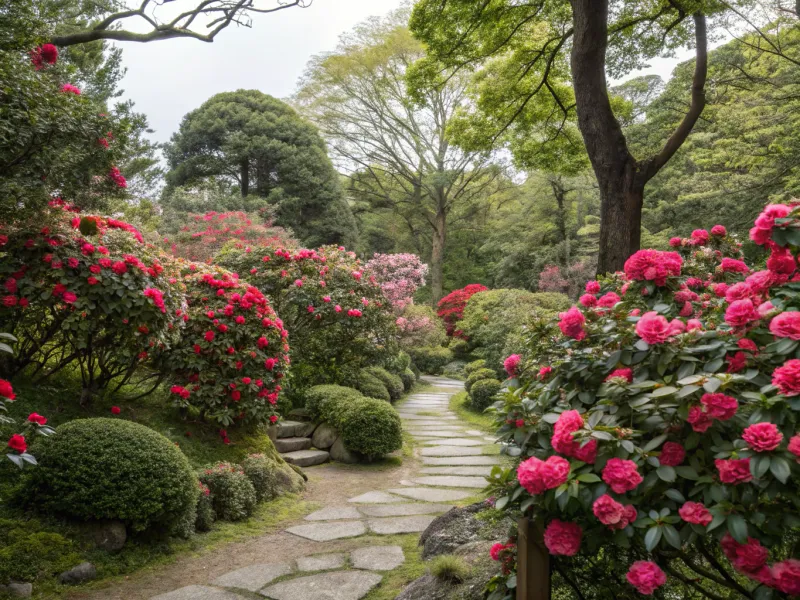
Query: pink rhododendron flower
column 563, row 539
column 734, row 470
column 787, row 378
column 538, row 476
column 646, row 577
column 620, row 376
column 781, row 261
column 731, row 265
column 719, row 230
column 740, row 312
column 786, row 325
column 748, row 558
column 675, row 242
column 621, row 475
column 588, row 300
column 571, row 323
column 786, row 576
column 544, row 372
column 719, row 406
column 696, row 513
column 653, row 328
column 698, row 419
column 672, row 454
column 608, row 300
column 511, row 364
column 592, row 287
column 762, row 437
column 700, row 236
column 694, row 325
column 68, row 88
column 653, row 265
column 737, row 362
column 607, row 510
column 794, row 444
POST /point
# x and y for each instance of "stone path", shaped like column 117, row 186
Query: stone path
column 454, row 467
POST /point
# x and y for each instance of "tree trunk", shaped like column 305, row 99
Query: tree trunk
column 245, row 177
column 561, row 218
column 437, row 256
column 621, row 200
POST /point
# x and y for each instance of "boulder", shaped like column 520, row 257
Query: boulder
column 106, row 535
column 341, row 454
column 83, row 572
column 426, row 587
column 307, row 430
column 17, row 590
column 456, row 527
column 324, row 436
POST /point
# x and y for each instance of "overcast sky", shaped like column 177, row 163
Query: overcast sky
column 167, row 79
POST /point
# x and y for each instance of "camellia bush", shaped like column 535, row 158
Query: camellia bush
column 451, row 307
column 338, row 317
column 234, row 350
column 84, row 291
column 655, row 427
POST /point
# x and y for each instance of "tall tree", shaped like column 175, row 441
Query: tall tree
column 597, row 36
column 265, row 147
column 395, row 148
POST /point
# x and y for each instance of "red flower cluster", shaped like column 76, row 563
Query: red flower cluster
column 451, row 307
column 653, row 265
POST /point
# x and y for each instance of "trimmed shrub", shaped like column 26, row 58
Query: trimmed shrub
column 431, row 359
column 370, row 427
column 459, row 347
column 483, row 392
column 372, row 387
column 398, row 363
column 270, row 477
column 232, row 495
column 477, row 376
column 419, row 326
column 454, row 369
column 318, row 397
column 205, row 516
column 415, row 369
column 470, row 368
column 27, row 552
column 393, row 383
column 111, row 469
column 409, row 379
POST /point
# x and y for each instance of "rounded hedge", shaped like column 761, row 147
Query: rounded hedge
column 409, row 379
column 232, row 495
column 318, row 399
column 483, row 393
column 393, row 383
column 431, row 359
column 398, row 363
column 270, row 477
column 372, row 387
column 371, row 427
column 454, row 369
column 111, row 469
column 478, row 375
column 474, row 366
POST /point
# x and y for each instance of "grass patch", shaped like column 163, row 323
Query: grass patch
column 394, row 581
column 459, row 404
column 450, row 568
column 429, row 413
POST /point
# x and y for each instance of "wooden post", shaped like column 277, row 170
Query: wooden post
column 533, row 562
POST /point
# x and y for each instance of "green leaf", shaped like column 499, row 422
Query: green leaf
column 780, row 468
column 588, row 478
column 501, row 503
column 652, row 537
column 687, row 473
column 737, row 527
column 667, row 390
column 712, row 385
column 687, row 390
column 713, row 366
column 642, row 346
column 672, row 536
column 655, row 443
column 675, row 495
column 666, row 473
column 759, row 465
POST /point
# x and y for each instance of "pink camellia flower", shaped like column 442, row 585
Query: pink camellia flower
column 696, row 513
column 700, row 236
column 511, row 364
column 786, row 325
column 592, row 287
column 675, row 242
column 588, row 300
column 538, row 476
column 607, row 510
column 571, row 323
column 620, row 376
column 731, row 265
column 734, row 471
column 719, row 230
column 646, row 577
column 563, row 539
column 621, row 475
column 738, row 291
column 653, row 265
column 720, row 290
column 740, row 312
column 672, row 454
column 786, row 576
column 698, row 419
column 653, row 328
column 719, row 406
column 787, row 378
column 694, row 325
column 608, row 300
column 794, row 446
column 762, row 437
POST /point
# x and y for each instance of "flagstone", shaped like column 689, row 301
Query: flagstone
column 393, row 525
column 452, row 481
column 463, row 461
column 338, row 585
column 324, row 532
column 333, row 513
column 375, row 498
column 432, row 494
column 404, row 510
column 254, row 577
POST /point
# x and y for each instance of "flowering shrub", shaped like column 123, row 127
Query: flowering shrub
column 399, row 275
column 338, row 317
column 233, row 496
column 569, row 281
column 233, row 353
column 660, row 423
column 419, row 326
column 84, row 291
column 451, row 307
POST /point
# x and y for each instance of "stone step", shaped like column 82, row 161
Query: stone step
column 292, row 444
column 289, row 428
column 306, row 458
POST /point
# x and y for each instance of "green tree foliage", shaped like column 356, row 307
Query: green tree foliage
column 262, row 145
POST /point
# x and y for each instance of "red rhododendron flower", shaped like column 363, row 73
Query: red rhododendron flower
column 571, row 323
column 563, row 539
column 698, row 419
column 675, row 242
column 588, row 300
column 544, row 372
column 6, row 391
column 621, row 475
column 69, row 297
column 496, row 549
column 209, row 336
column 17, row 442
column 787, row 378
column 620, row 376
column 786, row 325
column 646, row 577
column 672, row 454
column 762, row 437
column 696, row 513
column 734, row 470
column 719, row 406
column 737, row 362
column 653, row 328
column 749, row 557
column 37, row 418
column 786, row 576
column 68, row 88
column 607, row 510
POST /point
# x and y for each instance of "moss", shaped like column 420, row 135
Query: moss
column 460, row 404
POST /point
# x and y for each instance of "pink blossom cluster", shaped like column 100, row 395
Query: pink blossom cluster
column 399, row 275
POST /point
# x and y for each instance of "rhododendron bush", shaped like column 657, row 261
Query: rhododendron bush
column 657, row 420
column 338, row 317
column 234, row 351
column 451, row 307
column 399, row 275
column 84, row 291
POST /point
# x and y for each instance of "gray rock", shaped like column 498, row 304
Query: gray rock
column 462, row 460
column 375, row 498
column 426, row 587
column 254, row 577
column 453, row 529
column 457, row 481
column 289, row 428
column 339, row 585
column 306, row 458
column 450, row 451
column 307, row 430
column 334, row 513
column 394, row 525
column 476, row 471
column 431, row 494
column 83, row 572
column 324, row 532
column 17, row 590
column 105, row 535
column 322, row 562
column 404, row 510
column 377, row 558
column 292, row 444
column 324, row 436
column 341, row 454
column 198, row 592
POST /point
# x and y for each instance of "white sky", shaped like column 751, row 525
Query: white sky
column 167, row 79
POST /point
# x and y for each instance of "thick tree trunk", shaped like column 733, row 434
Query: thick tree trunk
column 621, row 198
column 437, row 256
column 245, row 177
